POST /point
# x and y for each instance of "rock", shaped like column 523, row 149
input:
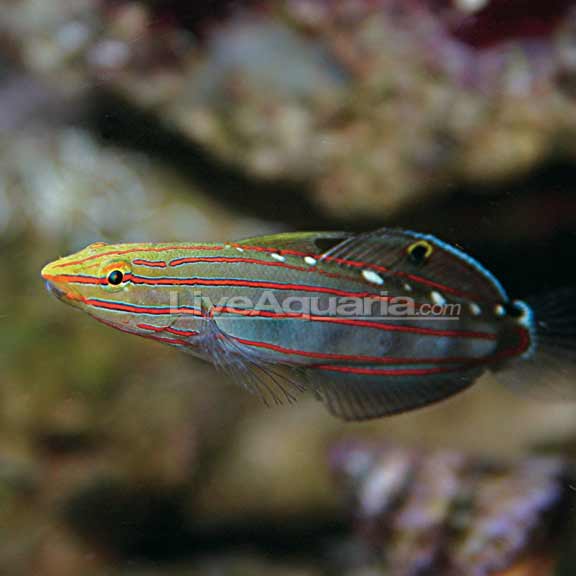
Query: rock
column 374, row 107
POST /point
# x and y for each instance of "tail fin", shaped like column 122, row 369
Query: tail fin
column 554, row 323
column 548, row 370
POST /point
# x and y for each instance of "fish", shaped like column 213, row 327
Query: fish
column 372, row 324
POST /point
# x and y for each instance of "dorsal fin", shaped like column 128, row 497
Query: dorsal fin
column 445, row 267
column 313, row 243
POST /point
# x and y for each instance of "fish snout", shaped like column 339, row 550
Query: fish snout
column 48, row 271
column 56, row 285
column 54, row 290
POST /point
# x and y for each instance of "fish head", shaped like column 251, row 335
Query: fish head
column 98, row 280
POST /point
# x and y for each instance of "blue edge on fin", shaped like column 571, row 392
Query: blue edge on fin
column 463, row 256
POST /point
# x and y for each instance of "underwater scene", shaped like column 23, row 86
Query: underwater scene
column 287, row 288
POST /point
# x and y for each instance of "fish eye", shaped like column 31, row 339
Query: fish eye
column 420, row 252
column 115, row 277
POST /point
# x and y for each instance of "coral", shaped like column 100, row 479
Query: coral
column 445, row 512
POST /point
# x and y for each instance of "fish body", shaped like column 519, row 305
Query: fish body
column 373, row 324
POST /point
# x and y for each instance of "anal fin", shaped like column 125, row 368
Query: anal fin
column 357, row 397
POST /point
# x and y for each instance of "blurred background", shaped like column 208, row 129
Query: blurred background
column 168, row 120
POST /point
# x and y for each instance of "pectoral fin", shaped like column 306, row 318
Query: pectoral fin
column 273, row 383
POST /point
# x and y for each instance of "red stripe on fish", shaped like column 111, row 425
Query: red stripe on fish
column 309, row 269
column 387, row 371
column 239, row 260
column 464, row 362
column 317, row 355
column 137, row 250
column 150, row 263
column 167, row 281
column 78, row 279
column 352, row 357
column 122, row 307
column 352, row 263
column 148, row 336
column 517, row 350
column 369, row 266
column 359, row 323
column 169, row 330
column 248, row 284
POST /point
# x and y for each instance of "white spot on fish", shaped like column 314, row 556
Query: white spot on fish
column 437, row 298
column 499, row 310
column 278, row 257
column 372, row 277
column 239, row 249
column 311, row 261
column 408, row 287
column 475, row 309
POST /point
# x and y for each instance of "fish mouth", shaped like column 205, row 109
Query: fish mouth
column 55, row 291
column 54, row 287
column 64, row 295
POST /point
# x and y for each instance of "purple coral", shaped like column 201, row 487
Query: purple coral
column 511, row 43
column 480, row 42
column 448, row 513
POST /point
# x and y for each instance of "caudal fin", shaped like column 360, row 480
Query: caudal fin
column 549, row 369
column 554, row 323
